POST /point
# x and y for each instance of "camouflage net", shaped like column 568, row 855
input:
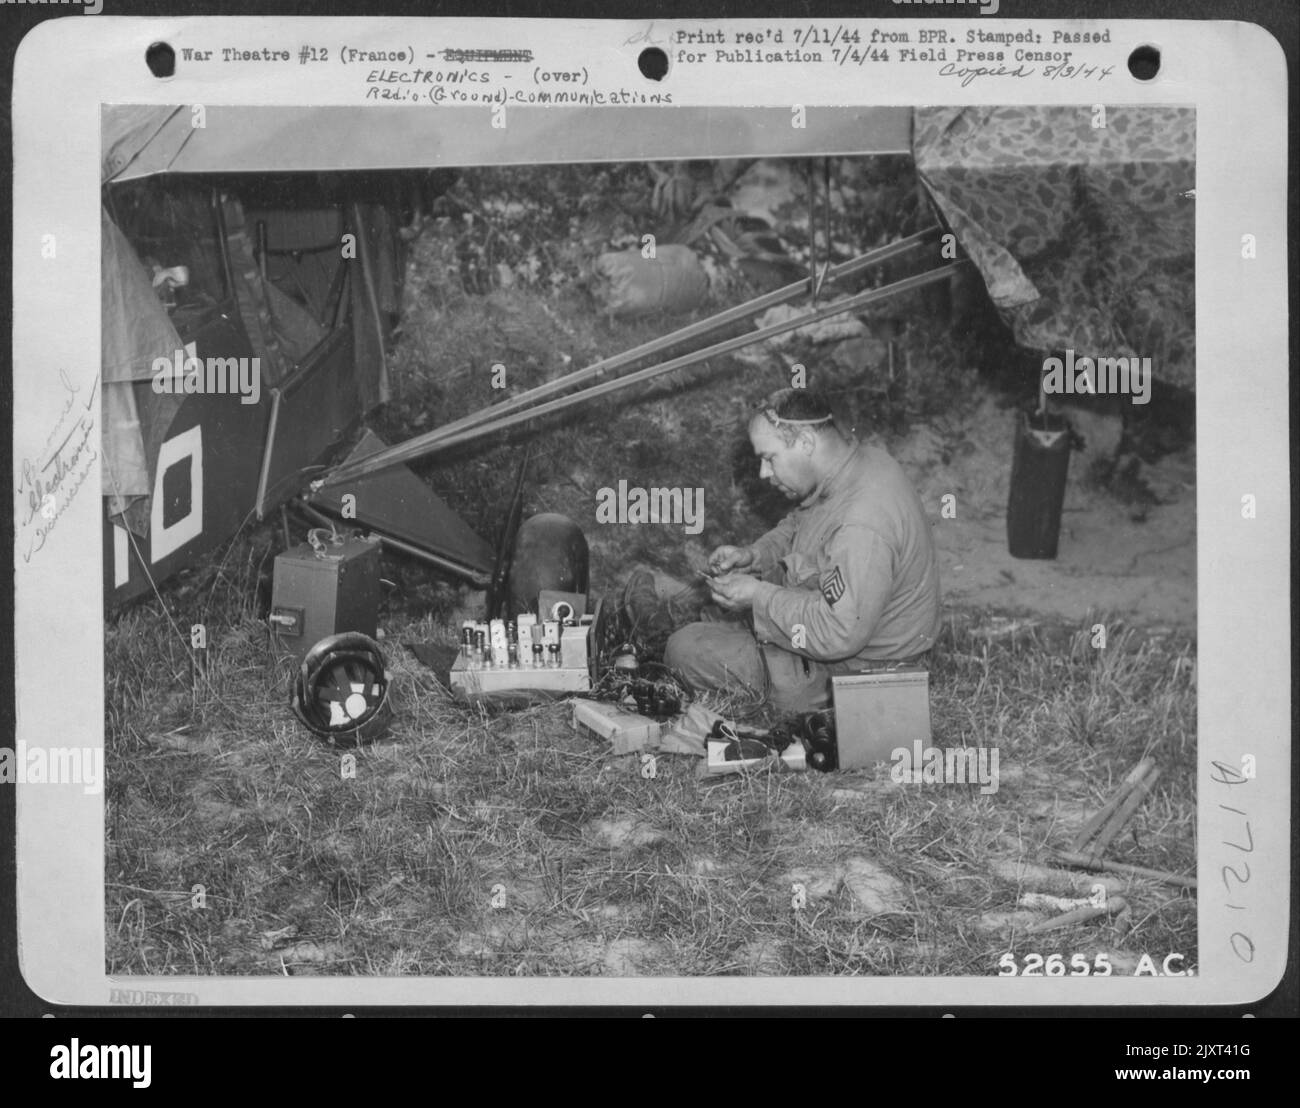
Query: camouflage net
column 1083, row 234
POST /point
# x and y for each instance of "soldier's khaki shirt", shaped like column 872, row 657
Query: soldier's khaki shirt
column 857, row 567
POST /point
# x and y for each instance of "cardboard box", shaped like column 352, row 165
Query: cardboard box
column 628, row 732
column 875, row 713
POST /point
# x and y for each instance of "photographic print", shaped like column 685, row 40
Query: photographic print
column 602, row 532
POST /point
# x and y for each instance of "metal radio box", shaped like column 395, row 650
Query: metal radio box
column 875, row 713
column 320, row 591
column 471, row 678
column 572, row 667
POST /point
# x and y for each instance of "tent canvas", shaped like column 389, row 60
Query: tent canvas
column 1081, row 224
column 135, row 330
column 1082, row 233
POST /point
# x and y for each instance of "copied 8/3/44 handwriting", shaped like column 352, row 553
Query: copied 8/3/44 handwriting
column 48, row 482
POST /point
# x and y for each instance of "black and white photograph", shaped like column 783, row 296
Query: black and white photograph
column 702, row 512
column 734, row 566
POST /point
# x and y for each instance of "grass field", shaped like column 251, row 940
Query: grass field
column 513, row 845
column 469, row 844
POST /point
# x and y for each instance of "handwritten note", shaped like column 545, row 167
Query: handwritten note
column 1243, row 841
column 48, row 482
column 646, row 36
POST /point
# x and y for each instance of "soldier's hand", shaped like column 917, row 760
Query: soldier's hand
column 734, row 592
column 727, row 558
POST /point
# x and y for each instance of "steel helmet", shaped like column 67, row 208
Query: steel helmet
column 341, row 691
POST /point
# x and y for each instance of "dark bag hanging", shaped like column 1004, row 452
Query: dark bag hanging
column 1039, row 464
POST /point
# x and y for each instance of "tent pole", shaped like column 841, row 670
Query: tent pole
column 385, row 459
column 419, row 446
column 684, row 334
column 372, row 297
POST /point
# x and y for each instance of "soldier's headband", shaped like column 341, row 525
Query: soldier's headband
column 769, row 413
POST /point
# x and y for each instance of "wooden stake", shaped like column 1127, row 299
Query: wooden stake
column 1077, row 916
column 1084, row 861
column 1134, row 775
column 1132, row 802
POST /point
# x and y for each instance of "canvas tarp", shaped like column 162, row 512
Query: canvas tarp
column 140, row 141
column 135, row 330
column 1082, row 233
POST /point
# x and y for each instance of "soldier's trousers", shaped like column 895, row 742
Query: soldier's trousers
column 725, row 655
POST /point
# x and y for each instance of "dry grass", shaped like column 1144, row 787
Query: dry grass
column 470, row 844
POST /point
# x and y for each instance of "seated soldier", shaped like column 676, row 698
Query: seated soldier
column 846, row 580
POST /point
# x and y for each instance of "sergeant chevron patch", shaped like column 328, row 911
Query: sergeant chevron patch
column 833, row 586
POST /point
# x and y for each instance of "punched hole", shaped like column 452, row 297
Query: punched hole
column 653, row 63
column 1144, row 63
column 161, row 60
